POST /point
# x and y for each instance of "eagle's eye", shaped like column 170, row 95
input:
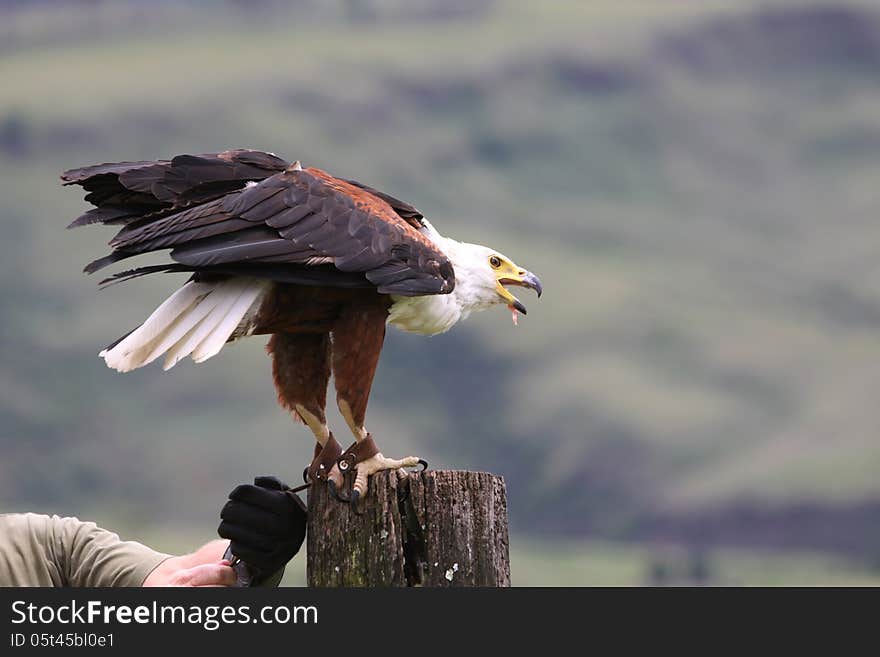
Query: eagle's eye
column 495, row 261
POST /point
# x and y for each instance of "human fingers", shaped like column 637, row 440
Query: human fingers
column 206, row 574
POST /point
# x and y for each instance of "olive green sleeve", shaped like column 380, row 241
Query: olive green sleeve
column 38, row 550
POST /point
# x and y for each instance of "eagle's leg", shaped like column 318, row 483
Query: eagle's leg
column 301, row 369
column 357, row 343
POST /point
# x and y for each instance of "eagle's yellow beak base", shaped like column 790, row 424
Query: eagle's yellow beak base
column 520, row 278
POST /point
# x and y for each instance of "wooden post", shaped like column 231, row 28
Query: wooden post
column 433, row 528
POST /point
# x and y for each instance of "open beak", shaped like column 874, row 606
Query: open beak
column 521, row 278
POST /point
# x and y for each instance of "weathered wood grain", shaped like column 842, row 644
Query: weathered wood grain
column 434, row 528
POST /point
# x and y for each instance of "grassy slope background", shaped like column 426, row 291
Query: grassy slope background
column 695, row 184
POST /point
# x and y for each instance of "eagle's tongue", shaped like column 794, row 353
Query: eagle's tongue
column 514, row 315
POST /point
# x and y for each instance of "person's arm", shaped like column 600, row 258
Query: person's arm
column 266, row 523
column 40, row 550
column 92, row 556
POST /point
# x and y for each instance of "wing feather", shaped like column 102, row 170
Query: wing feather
column 242, row 208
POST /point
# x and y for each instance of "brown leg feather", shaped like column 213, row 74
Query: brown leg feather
column 301, row 368
column 357, row 342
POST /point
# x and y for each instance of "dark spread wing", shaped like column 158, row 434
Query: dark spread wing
column 292, row 221
column 127, row 191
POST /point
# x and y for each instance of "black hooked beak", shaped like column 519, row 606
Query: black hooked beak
column 519, row 306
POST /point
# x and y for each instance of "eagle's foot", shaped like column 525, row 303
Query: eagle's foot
column 363, row 458
column 375, row 464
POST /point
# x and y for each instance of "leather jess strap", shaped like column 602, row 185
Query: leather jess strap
column 324, row 459
column 361, row 450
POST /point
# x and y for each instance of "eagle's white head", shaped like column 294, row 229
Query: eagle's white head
column 482, row 276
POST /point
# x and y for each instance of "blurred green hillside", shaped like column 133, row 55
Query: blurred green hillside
column 697, row 185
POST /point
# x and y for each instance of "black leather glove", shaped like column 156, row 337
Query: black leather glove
column 265, row 524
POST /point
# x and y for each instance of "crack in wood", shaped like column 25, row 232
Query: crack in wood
column 415, row 553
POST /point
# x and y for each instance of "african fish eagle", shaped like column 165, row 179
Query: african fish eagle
column 320, row 263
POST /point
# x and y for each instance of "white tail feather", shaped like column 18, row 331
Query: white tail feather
column 235, row 310
column 197, row 319
column 181, row 327
column 186, row 344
